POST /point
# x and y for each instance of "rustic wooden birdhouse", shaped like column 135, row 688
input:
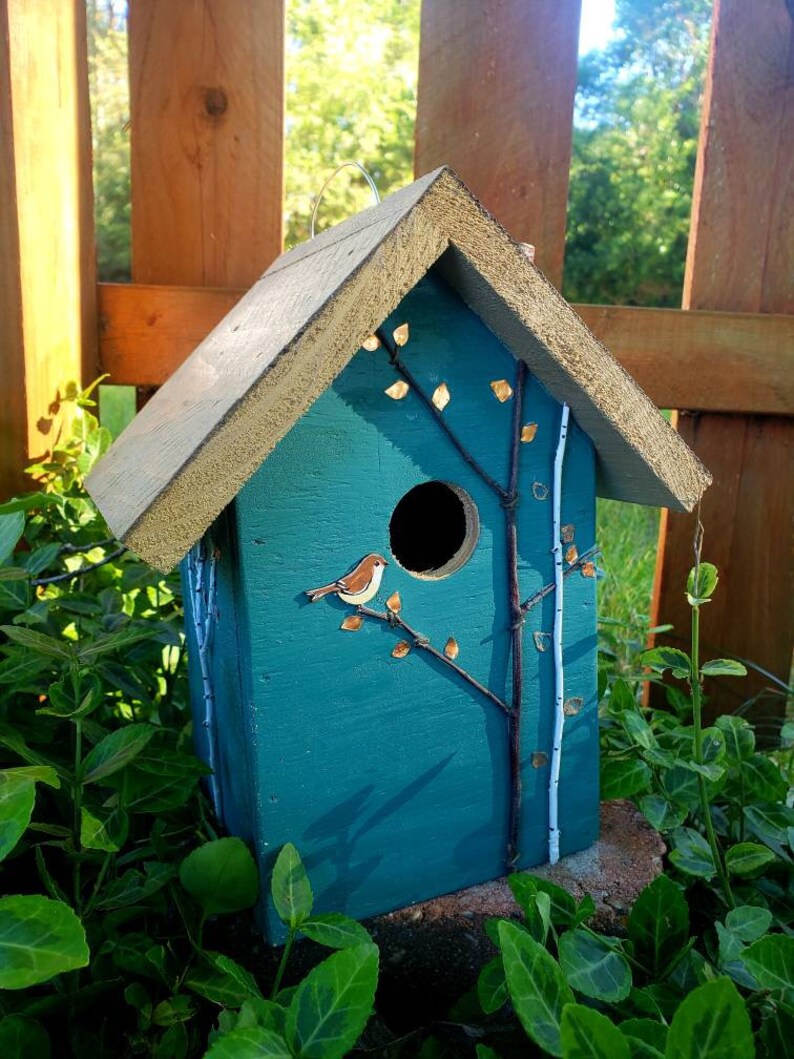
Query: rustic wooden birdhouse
column 379, row 472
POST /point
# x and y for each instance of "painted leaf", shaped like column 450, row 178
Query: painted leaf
column 502, row 389
column 401, row 334
column 290, row 887
column 528, row 432
column 588, row 569
column 451, row 649
column 397, row 390
column 587, row 1034
column 371, row 344
column 394, row 603
column 352, row 623
column 567, row 532
column 221, row 876
column 333, row 1003
column 39, row 938
column 539, row 759
column 401, row 649
column 542, row 640
column 572, row 706
column 540, row 491
column 441, row 396
column 536, row 985
column 571, row 554
column 711, row 1021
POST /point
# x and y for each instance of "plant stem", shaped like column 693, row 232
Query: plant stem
column 697, row 712
column 283, row 962
column 78, row 804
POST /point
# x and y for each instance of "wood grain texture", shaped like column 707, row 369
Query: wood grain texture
column 741, row 257
column 392, row 774
column 704, row 361
column 207, row 430
column 497, row 80
column 207, row 102
column 48, row 285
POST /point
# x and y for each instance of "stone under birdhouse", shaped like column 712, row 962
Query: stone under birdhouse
column 379, row 472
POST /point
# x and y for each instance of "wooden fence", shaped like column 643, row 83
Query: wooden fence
column 496, row 94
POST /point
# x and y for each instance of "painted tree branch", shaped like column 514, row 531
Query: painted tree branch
column 401, row 369
column 423, row 643
column 516, row 622
column 585, row 557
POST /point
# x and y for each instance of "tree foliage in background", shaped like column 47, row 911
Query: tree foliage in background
column 634, row 147
column 351, row 70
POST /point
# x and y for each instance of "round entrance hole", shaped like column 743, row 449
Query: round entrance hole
column 434, row 529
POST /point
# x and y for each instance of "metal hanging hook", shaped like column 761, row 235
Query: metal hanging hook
column 344, row 165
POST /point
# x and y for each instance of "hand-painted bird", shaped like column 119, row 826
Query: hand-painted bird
column 359, row 586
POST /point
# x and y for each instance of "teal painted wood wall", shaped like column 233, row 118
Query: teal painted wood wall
column 391, row 776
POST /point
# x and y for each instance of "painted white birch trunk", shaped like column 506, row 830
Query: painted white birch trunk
column 559, row 677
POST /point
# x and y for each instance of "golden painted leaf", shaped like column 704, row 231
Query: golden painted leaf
column 394, row 603
column 352, row 623
column 397, row 390
column 528, row 431
column 441, row 397
column 502, row 389
column 451, row 649
column 572, row 706
column 571, row 554
column 542, row 640
column 539, row 759
column 401, row 649
column 540, row 491
column 567, row 533
column 588, row 569
column 401, row 334
column 371, row 344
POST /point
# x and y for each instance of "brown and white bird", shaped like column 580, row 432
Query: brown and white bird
column 359, row 586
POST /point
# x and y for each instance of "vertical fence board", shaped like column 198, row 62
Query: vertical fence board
column 497, row 80
column 48, row 284
column 207, row 101
column 740, row 258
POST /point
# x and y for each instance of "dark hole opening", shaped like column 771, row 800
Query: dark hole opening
column 433, row 529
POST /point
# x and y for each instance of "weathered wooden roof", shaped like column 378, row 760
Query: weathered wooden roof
column 191, row 449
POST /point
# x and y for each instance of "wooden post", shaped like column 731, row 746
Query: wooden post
column 47, row 275
column 495, row 101
column 207, row 101
column 741, row 256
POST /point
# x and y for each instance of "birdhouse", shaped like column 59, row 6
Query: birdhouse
column 379, row 473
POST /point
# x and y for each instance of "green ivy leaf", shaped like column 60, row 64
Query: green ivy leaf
column 108, row 833
column 661, row 658
column 692, row 853
column 748, row 859
column 638, row 729
column 770, row 824
column 739, row 736
column 90, row 650
column 21, row 1036
column 135, row 887
column 221, row 876
column 587, row 1034
column 17, row 798
column 701, row 582
column 115, row 751
column 223, row 981
column 492, row 986
column 39, row 938
column 659, row 924
column 647, row 1038
column 748, row 922
column 713, row 741
column 561, row 906
column 593, row 967
column 723, row 667
column 623, row 778
column 711, row 1023
column 758, row 779
column 251, row 1042
column 536, row 985
column 290, row 887
column 335, row 931
column 12, row 526
column 771, row 961
column 662, row 814
column 333, row 1003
